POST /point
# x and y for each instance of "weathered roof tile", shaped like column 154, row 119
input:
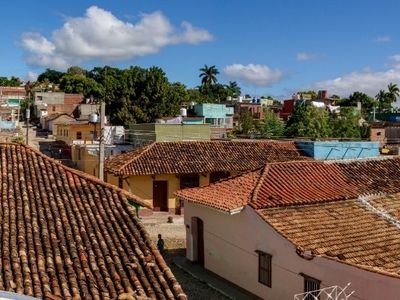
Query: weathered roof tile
column 66, row 234
column 201, row 156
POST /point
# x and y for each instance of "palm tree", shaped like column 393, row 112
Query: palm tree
column 208, row 75
column 233, row 89
column 393, row 92
column 382, row 98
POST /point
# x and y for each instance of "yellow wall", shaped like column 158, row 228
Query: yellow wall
column 142, row 186
column 84, row 161
column 67, row 133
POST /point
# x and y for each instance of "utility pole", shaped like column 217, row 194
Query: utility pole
column 101, row 140
column 28, row 115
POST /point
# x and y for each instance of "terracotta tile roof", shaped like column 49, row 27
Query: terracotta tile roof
column 201, row 156
column 239, row 188
column 344, row 230
column 302, row 182
column 66, row 235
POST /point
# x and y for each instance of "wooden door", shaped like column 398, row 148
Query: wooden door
column 160, row 195
column 200, row 242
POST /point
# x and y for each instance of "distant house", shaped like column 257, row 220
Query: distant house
column 156, row 171
column 67, row 235
column 219, row 116
column 50, row 122
column 85, row 157
column 47, row 103
column 295, row 227
column 77, row 132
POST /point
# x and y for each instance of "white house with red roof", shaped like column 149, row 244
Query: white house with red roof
column 294, row 227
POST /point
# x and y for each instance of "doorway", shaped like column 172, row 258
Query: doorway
column 160, row 195
column 198, row 240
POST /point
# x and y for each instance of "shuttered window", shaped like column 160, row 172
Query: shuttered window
column 264, row 268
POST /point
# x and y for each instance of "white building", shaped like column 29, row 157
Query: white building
column 294, row 227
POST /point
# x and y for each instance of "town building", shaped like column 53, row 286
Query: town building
column 85, row 157
column 47, row 103
column 156, row 171
column 77, row 132
column 50, row 122
column 219, row 116
column 10, row 103
column 166, row 130
column 67, row 235
column 294, row 227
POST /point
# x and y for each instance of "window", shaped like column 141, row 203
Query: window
column 378, row 133
column 264, row 268
column 79, row 135
column 189, row 181
column 311, row 284
column 215, row 176
column 53, row 108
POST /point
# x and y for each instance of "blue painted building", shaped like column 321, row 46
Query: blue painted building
column 217, row 115
column 329, row 150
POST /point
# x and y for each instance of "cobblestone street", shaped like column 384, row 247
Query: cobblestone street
column 174, row 236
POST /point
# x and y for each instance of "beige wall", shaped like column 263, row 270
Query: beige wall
column 229, row 249
column 84, row 161
column 142, row 186
column 67, row 133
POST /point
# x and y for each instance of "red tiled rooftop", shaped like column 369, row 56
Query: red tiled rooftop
column 303, row 182
column 344, row 230
column 67, row 235
column 201, row 156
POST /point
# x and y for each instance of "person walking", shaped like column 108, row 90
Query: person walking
column 160, row 244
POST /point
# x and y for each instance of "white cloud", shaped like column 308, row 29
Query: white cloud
column 31, row 76
column 367, row 81
column 303, row 56
column 253, row 74
column 99, row 35
column 383, row 39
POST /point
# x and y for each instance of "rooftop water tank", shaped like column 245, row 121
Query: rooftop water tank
column 93, row 118
column 183, row 112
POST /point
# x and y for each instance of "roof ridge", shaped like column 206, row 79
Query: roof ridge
column 140, row 153
column 86, row 176
column 260, row 182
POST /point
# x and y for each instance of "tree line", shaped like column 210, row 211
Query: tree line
column 135, row 94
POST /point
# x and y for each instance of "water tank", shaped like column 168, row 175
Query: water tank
column 93, row 118
column 240, row 99
column 183, row 112
column 229, row 98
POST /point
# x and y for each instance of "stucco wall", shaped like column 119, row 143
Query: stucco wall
column 229, row 249
column 142, row 186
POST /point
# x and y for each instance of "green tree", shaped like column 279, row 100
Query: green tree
column 13, row 81
column 346, row 123
column 393, row 92
column 208, row 75
column 52, row 76
column 367, row 103
column 309, row 121
column 383, row 101
column 273, row 126
column 246, row 123
column 233, row 89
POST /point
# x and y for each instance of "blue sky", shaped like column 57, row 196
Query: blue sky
column 269, row 47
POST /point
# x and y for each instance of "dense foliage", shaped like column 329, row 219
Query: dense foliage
column 137, row 95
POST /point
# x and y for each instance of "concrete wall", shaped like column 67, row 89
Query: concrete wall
column 178, row 132
column 229, row 249
column 339, row 150
column 378, row 135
